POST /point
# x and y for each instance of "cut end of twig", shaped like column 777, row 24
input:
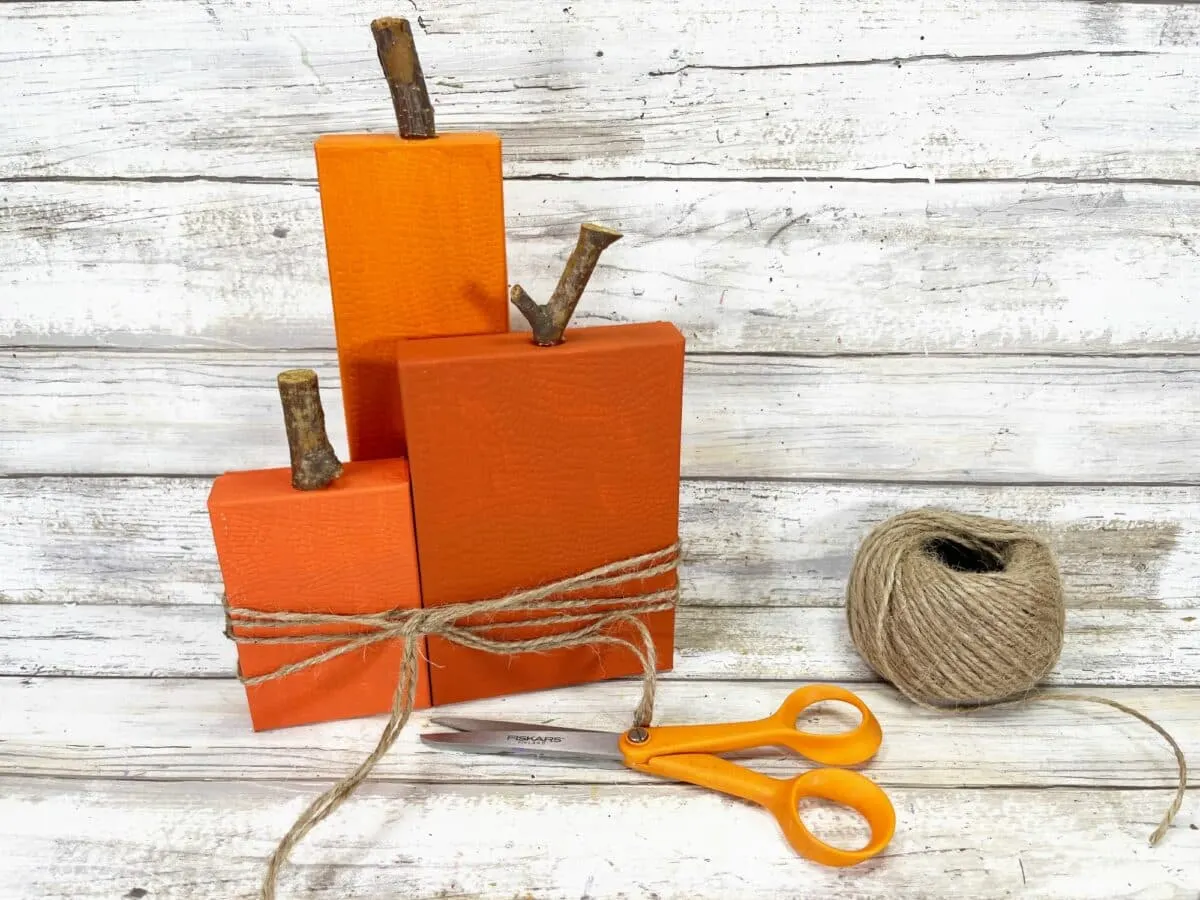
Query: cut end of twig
column 601, row 233
column 314, row 464
column 397, row 51
column 549, row 320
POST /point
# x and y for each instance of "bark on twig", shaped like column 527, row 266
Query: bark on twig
column 402, row 67
column 549, row 320
column 314, row 464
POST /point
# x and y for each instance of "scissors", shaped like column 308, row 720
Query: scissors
column 688, row 753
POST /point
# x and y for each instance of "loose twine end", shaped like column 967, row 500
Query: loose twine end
column 1039, row 696
column 1173, row 808
column 590, row 622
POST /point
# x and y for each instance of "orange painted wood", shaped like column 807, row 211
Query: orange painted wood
column 414, row 236
column 347, row 548
column 530, row 464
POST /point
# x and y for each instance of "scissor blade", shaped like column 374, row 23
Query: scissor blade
column 578, row 745
column 458, row 723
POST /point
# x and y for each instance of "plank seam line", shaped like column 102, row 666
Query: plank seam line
column 1139, row 2
column 256, row 354
column 635, row 179
column 668, row 678
column 766, row 480
column 899, row 61
column 617, row 683
column 702, row 610
column 650, row 785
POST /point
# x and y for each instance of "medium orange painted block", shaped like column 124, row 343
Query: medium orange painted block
column 347, row 548
column 531, row 464
column 414, row 235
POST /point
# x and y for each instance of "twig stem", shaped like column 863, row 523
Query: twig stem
column 402, row 67
column 314, row 464
column 549, row 320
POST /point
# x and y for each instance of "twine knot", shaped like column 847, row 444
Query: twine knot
column 591, row 620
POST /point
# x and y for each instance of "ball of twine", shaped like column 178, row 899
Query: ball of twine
column 956, row 609
column 962, row 611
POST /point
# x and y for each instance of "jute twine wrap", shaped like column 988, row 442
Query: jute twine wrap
column 961, row 612
column 592, row 622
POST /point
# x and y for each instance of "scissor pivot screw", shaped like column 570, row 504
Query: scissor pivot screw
column 637, row 735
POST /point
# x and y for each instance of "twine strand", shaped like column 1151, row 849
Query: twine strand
column 595, row 618
column 1176, row 803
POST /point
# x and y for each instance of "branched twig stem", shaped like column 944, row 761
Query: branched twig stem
column 550, row 320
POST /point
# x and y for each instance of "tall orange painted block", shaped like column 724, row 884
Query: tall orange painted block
column 317, row 539
column 534, row 463
column 347, row 548
column 414, row 238
column 414, row 235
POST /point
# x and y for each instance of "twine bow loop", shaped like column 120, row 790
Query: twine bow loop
column 588, row 620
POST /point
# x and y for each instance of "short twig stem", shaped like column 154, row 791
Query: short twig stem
column 314, row 464
column 402, row 68
column 550, row 320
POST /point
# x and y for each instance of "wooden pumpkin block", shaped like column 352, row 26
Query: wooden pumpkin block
column 346, row 549
column 414, row 236
column 323, row 538
column 531, row 464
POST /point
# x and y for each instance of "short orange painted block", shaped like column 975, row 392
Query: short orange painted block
column 414, row 236
column 346, row 549
column 531, row 464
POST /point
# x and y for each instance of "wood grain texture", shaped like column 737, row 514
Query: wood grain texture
column 88, row 840
column 1113, row 647
column 197, row 730
column 742, row 267
column 995, row 90
column 861, row 29
column 147, row 541
column 1021, row 419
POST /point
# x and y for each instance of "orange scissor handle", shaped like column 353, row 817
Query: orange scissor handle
column 684, row 753
column 778, row 729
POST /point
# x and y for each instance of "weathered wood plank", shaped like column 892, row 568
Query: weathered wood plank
column 860, row 29
column 148, row 541
column 100, row 839
column 185, row 730
column 989, row 90
column 812, row 268
column 1133, row 648
column 910, row 418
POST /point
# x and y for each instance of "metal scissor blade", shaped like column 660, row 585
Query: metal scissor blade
column 579, row 745
column 458, row 723
column 463, row 724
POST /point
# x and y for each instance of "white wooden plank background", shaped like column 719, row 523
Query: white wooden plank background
column 942, row 253
column 171, row 89
column 1047, row 744
column 98, row 839
column 1106, row 646
column 745, row 543
column 1021, row 419
column 745, row 266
